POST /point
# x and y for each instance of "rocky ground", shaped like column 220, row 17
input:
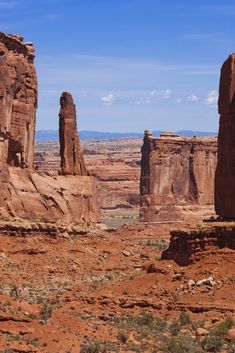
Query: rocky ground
column 80, row 289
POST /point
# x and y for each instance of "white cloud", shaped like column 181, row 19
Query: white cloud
column 212, row 98
column 109, row 99
column 179, row 101
column 160, row 95
column 152, row 96
column 192, row 98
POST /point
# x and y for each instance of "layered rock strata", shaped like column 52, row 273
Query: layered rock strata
column 18, row 101
column 72, row 162
column 191, row 244
column 25, row 193
column 177, row 177
column 225, row 172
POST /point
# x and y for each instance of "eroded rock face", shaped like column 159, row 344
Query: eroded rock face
column 18, row 101
column 191, row 244
column 25, row 193
column 72, row 162
column 39, row 197
column 225, row 171
column 177, row 177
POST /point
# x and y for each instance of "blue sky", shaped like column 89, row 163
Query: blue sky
column 130, row 64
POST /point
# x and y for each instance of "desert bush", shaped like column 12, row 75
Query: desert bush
column 174, row 328
column 94, row 347
column 122, row 336
column 223, row 328
column 181, row 344
column 212, row 343
column 184, row 319
column 231, row 347
column 14, row 291
column 46, row 311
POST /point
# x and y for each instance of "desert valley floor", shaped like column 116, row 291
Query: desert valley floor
column 94, row 289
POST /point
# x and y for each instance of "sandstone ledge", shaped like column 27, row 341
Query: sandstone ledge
column 191, row 244
column 20, row 227
column 39, row 197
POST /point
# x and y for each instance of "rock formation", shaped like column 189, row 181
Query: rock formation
column 225, row 171
column 115, row 163
column 177, row 176
column 191, row 244
column 25, row 193
column 72, row 162
column 18, row 101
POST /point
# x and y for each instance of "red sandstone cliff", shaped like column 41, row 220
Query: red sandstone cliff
column 18, row 101
column 25, row 193
column 177, row 177
column 225, row 171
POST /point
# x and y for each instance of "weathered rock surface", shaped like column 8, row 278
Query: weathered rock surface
column 192, row 244
column 18, row 101
column 177, row 177
column 72, row 162
column 33, row 196
column 25, row 193
column 225, row 171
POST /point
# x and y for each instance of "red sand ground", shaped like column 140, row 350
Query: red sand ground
column 58, row 291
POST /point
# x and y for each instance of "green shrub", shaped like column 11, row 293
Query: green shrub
column 212, row 343
column 122, row 336
column 174, row 328
column 224, row 327
column 182, row 344
column 184, row 319
column 90, row 347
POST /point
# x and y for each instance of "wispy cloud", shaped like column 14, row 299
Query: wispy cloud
column 108, row 99
column 212, row 98
column 154, row 96
column 200, row 71
column 192, row 98
column 210, row 38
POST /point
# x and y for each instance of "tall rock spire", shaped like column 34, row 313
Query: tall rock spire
column 72, row 162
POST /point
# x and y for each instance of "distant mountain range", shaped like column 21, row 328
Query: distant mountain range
column 48, row 135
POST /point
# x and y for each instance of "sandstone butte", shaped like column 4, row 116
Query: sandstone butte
column 177, row 175
column 25, row 193
column 190, row 244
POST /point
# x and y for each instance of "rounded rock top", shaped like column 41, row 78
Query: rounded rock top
column 168, row 134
